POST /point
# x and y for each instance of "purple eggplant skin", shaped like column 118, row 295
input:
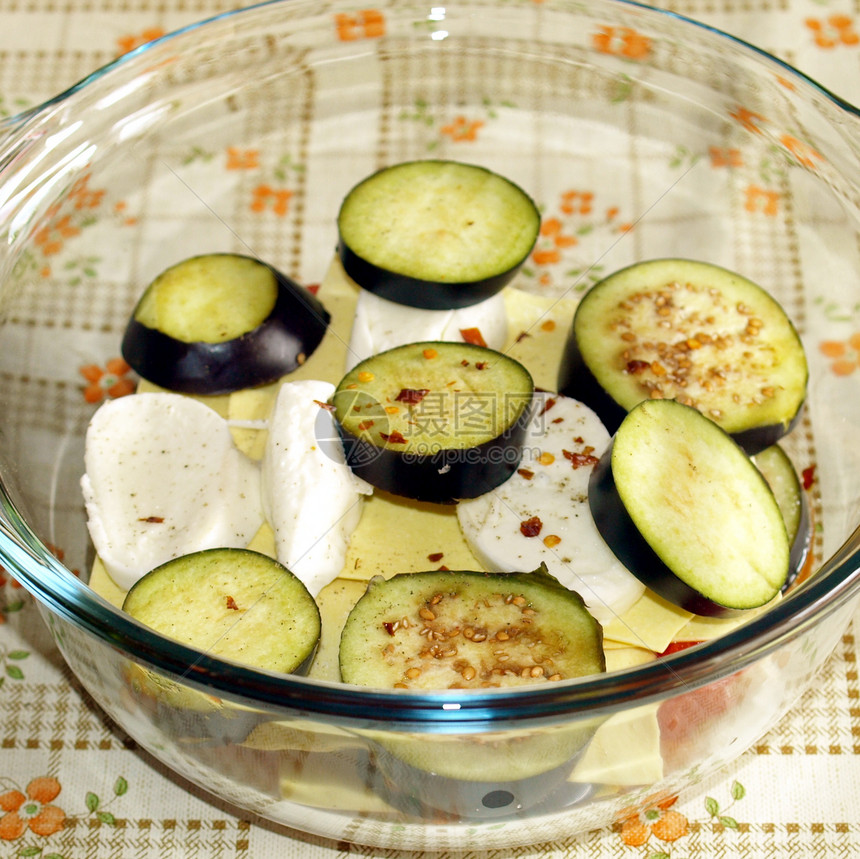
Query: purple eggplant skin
column 416, row 292
column 633, row 550
column 576, row 380
column 801, row 545
column 417, row 791
column 279, row 345
column 757, row 439
column 441, row 477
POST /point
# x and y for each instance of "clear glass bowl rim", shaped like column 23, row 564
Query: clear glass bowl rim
column 61, row 593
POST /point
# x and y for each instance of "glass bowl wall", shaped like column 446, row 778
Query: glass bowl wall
column 640, row 135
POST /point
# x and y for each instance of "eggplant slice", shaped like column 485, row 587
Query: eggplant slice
column 434, row 421
column 780, row 474
column 690, row 331
column 217, row 323
column 235, row 604
column 688, row 513
column 468, row 630
column 436, row 234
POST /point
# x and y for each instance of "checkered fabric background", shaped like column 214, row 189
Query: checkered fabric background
column 796, row 793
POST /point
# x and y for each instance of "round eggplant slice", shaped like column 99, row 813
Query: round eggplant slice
column 218, row 323
column 688, row 513
column 434, row 421
column 690, row 331
column 487, row 784
column 234, row 604
column 780, row 474
column 473, row 630
column 436, row 234
column 468, row 630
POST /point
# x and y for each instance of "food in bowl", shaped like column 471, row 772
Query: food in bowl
column 198, row 598
column 691, row 331
column 634, row 132
column 689, row 512
column 456, row 629
column 535, row 478
column 219, row 322
column 436, row 234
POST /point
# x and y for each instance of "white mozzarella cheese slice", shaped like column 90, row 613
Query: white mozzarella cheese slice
column 162, row 479
column 311, row 497
column 549, row 492
column 381, row 324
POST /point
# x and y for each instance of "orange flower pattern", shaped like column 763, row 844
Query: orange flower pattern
column 110, row 381
column 66, row 221
column 725, row 157
column 844, row 355
column 578, row 215
column 834, row 31
column 459, row 129
column 266, row 198
column 365, row 24
column 31, row 809
column 134, row 40
column 623, row 42
column 805, row 154
column 656, row 817
column 758, row 197
column 51, row 238
column 462, row 129
column 242, row 159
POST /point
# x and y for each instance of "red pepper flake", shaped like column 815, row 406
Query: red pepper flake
column 388, row 626
column 481, row 365
column 232, row 604
column 808, row 477
column 548, row 403
column 527, row 473
column 435, row 556
column 558, row 420
column 366, row 425
column 443, row 568
column 473, row 336
column 313, row 288
column 578, row 460
column 327, row 406
column 394, row 437
column 522, row 336
column 152, row 520
column 531, row 527
column 411, row 396
column 635, row 367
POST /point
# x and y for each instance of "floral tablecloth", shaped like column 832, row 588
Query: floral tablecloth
column 73, row 785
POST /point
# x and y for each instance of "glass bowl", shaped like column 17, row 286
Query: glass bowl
column 640, row 134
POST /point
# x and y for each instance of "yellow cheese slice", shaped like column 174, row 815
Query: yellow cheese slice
column 651, row 622
column 625, row 751
column 619, row 658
